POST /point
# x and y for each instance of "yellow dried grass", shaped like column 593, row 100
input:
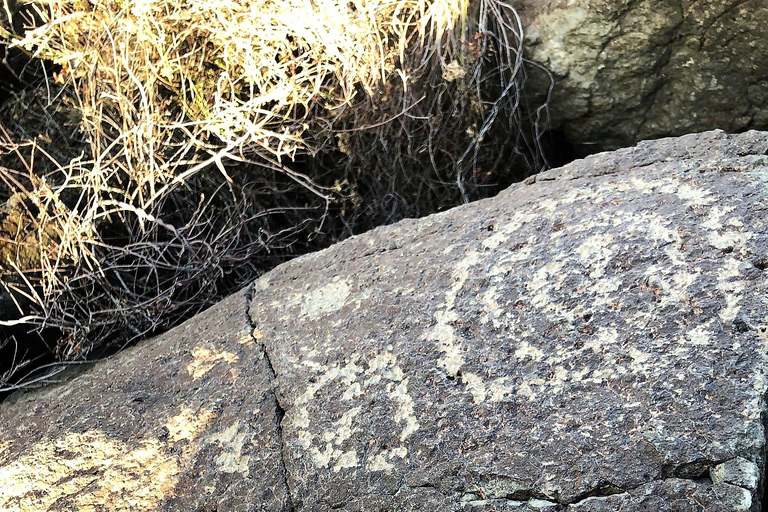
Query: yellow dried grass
column 173, row 96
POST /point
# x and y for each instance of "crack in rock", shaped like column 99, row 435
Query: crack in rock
column 279, row 410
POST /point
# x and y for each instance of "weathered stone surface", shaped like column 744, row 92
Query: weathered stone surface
column 594, row 340
column 570, row 338
column 629, row 70
column 183, row 423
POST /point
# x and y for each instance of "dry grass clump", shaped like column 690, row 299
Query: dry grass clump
column 217, row 137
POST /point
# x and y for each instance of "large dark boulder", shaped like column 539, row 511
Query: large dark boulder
column 593, row 340
column 629, row 70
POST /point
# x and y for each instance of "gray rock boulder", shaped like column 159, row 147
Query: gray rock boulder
column 629, row 70
column 593, row 340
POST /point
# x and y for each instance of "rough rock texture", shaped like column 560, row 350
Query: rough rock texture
column 187, row 422
column 594, row 340
column 629, row 70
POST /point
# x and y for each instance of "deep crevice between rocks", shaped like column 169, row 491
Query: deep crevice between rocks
column 279, row 410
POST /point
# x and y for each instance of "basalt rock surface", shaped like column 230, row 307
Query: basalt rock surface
column 629, row 70
column 593, row 340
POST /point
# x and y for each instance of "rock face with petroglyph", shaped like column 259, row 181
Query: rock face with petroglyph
column 629, row 70
column 592, row 341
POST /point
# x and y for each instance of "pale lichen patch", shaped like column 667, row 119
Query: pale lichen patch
column 91, row 472
column 731, row 287
column 497, row 487
column 528, row 351
column 692, row 196
column 596, row 252
column 700, row 336
column 188, row 424
column 205, row 359
column 475, row 385
column 551, row 42
column 738, row 471
column 325, row 299
column 261, row 283
column 753, row 408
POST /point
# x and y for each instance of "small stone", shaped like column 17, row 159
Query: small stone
column 737, row 471
column 542, row 505
column 737, row 499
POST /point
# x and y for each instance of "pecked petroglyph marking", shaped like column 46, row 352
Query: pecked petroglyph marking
column 694, row 196
column 232, row 442
column 327, row 449
column 4, row 446
column 726, row 232
column 448, row 343
column 443, row 331
column 543, row 283
column 384, row 460
column 594, row 254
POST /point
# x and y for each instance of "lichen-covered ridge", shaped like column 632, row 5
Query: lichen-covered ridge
column 592, row 340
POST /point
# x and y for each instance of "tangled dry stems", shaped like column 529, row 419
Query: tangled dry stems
column 221, row 136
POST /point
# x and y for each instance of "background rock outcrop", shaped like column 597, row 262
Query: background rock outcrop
column 629, row 70
column 593, row 340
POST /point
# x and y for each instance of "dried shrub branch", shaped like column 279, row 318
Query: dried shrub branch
column 215, row 138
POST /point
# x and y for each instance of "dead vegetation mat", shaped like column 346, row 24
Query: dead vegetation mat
column 177, row 149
